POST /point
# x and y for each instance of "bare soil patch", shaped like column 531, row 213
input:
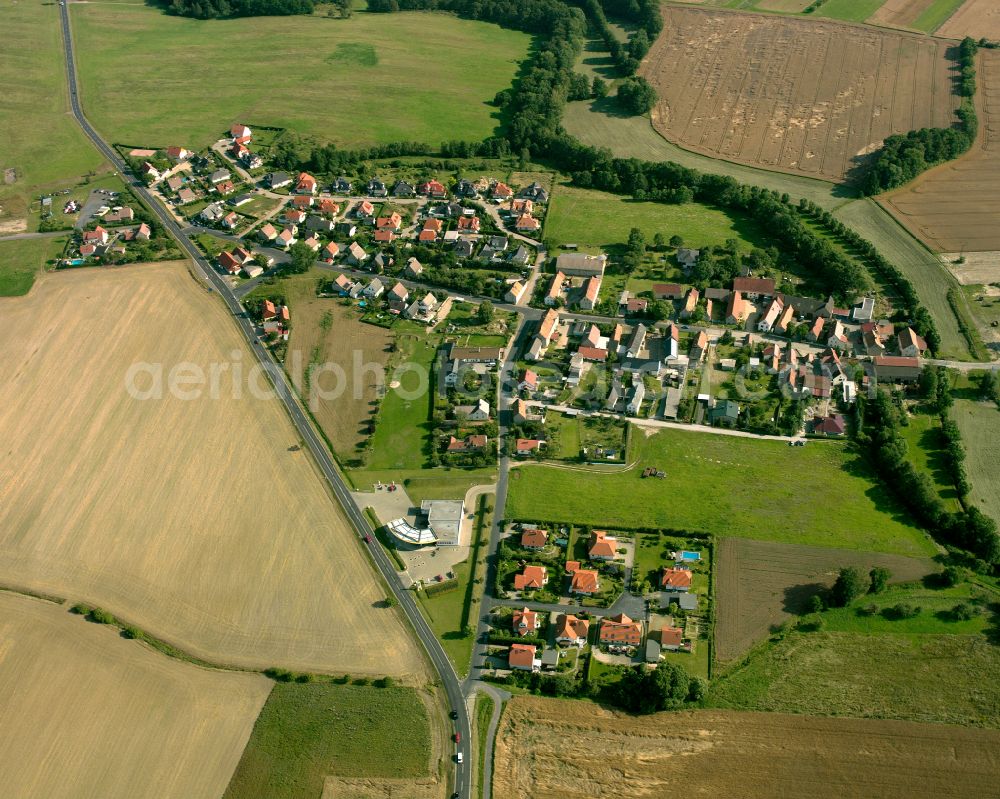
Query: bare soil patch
column 954, row 207
column 976, row 18
column 201, row 520
column 350, row 788
column 759, row 585
column 978, row 267
column 792, row 94
column 87, row 714
column 567, row 749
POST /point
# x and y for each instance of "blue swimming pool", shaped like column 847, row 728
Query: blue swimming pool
column 684, row 555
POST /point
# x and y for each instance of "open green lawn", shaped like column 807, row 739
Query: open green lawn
column 820, row 494
column 980, row 426
column 850, row 10
column 401, row 439
column 154, row 79
column 925, row 451
column 308, row 731
column 936, row 14
column 21, row 260
column 38, row 137
column 953, row 679
column 597, row 219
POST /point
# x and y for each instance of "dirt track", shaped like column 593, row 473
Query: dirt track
column 202, row 521
column 86, row 714
column 955, row 206
column 567, row 749
column 797, row 95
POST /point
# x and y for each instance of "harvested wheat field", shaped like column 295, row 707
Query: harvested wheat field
column 568, row 749
column 955, row 206
column 760, row 584
column 86, row 714
column 975, row 267
column 201, row 521
column 791, row 94
column 976, row 18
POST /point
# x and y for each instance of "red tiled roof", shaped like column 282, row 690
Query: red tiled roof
column 531, row 577
column 522, row 656
column 676, row 578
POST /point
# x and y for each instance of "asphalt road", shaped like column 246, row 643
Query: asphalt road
column 449, row 679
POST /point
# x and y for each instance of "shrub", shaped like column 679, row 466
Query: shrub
column 902, row 610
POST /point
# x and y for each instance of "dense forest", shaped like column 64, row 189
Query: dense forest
column 215, row 9
column 903, row 157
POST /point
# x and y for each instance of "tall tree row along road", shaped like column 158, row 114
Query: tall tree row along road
column 443, row 666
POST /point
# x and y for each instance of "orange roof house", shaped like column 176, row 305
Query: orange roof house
column 620, row 630
column 427, row 235
column 525, row 621
column 585, row 581
column 671, row 637
column 532, row 577
column 470, row 223
column 306, row 183
column 676, row 579
column 432, row 224
column 534, row 539
column 571, row 629
column 501, row 191
column 522, row 656
column 602, row 546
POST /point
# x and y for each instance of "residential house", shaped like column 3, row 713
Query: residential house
column 303, row 202
column 535, row 192
column 668, row 291
column 602, row 546
column 398, row 293
column 635, row 306
column 231, row 220
column 328, row 207
column 784, row 320
column 577, row 264
column 220, row 176
column 212, row 212
column 96, row 236
column 837, row 336
column 770, row 316
column 175, row 183
column 817, row 329
column 121, row 214
column 671, row 638
column 531, row 578
column 267, row 232
column 150, row 171
column 594, row 354
column 356, row 254
column 519, row 411
column 548, row 327
column 278, row 180
column 468, row 224
column 229, row 263
column 392, row 222
column 433, row 188
column 178, row 154
column 384, row 236
column 527, row 446
column 910, row 344
column 690, row 304
column 674, row 579
column 376, row 188
column 240, row 133
column 671, row 341
column 591, row 291
column 698, row 347
column 737, row 309
column 413, row 268
column 571, row 630
column 318, row 224
column 268, row 310
column 584, row 581
column 375, row 289
column 342, row 284
column 687, row 258
column 725, row 413
column 534, row 539
column 477, row 412
column 515, row 292
column 285, row 239
column 520, row 206
column 832, row 425
column 341, row 186
column 636, row 396
column 291, row 216
column 637, row 341
column 528, row 381
column 313, row 243
column 501, row 191
column 520, row 256
column 863, row 310
column 522, row 657
column 463, row 248
column 620, row 630
column 474, row 443
column 527, row 223
column 525, row 622
column 305, row 184
column 554, row 293
column 403, row 189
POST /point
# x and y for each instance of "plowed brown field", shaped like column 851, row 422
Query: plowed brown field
column 976, row 18
column 955, row 207
column 760, row 584
column 796, row 95
column 200, row 520
column 566, row 749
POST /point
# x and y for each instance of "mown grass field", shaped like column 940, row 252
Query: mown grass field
column 148, row 78
column 819, row 494
column 306, row 732
column 954, row 679
column 925, row 450
column 22, row 259
column 40, row 139
column 849, row 10
column 980, row 426
column 598, row 219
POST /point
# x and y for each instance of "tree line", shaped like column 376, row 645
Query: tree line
column 903, row 157
column 218, row 9
column 878, row 434
column 645, row 14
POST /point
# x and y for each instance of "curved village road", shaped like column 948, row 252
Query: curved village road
column 449, row 679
